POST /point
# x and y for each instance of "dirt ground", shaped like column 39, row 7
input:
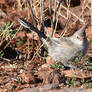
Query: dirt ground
column 17, row 74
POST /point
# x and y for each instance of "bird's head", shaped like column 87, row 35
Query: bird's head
column 79, row 37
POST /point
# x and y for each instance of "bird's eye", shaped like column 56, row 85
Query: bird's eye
column 78, row 37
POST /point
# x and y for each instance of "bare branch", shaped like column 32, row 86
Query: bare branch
column 55, row 16
column 31, row 10
column 42, row 16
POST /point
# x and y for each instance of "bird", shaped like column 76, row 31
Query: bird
column 63, row 49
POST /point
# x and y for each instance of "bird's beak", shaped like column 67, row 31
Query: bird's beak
column 82, row 29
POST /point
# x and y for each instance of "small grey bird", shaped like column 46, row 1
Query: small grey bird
column 62, row 49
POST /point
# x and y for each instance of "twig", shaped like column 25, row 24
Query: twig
column 66, row 25
column 91, row 15
column 11, row 39
column 28, row 50
column 50, row 6
column 42, row 16
column 69, row 17
column 81, row 13
column 28, row 62
column 55, row 16
column 34, row 22
column 70, row 13
column 31, row 10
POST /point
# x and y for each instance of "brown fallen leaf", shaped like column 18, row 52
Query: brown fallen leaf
column 77, row 73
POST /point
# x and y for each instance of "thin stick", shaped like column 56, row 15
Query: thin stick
column 11, row 39
column 83, row 9
column 91, row 14
column 28, row 49
column 50, row 12
column 66, row 25
column 32, row 15
column 50, row 6
column 55, row 16
column 53, row 20
column 31, row 10
column 70, row 13
column 68, row 16
column 28, row 62
column 42, row 16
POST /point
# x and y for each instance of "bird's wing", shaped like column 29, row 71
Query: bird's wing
column 66, row 43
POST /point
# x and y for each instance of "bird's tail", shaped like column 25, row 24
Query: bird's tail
column 28, row 25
